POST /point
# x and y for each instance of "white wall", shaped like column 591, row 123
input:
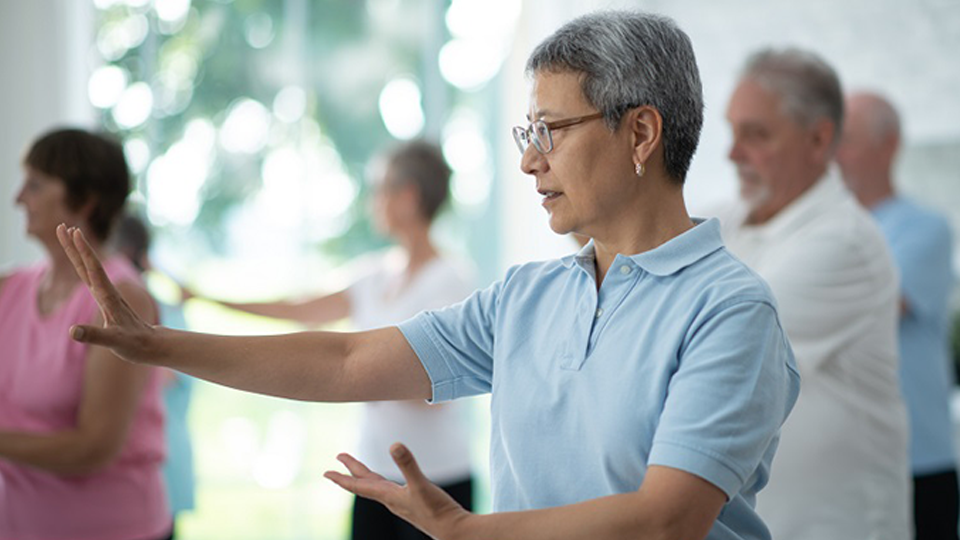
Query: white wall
column 44, row 52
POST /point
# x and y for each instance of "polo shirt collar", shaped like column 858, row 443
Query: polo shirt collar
column 666, row 259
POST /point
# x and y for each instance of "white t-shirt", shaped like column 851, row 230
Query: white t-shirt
column 841, row 471
column 436, row 434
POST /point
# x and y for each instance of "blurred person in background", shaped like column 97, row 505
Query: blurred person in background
column 637, row 387
column 81, row 431
column 132, row 239
column 409, row 190
column 922, row 245
column 841, row 470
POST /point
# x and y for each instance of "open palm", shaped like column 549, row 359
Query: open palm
column 123, row 331
column 419, row 502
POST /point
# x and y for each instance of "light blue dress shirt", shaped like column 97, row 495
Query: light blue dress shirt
column 678, row 360
column 921, row 244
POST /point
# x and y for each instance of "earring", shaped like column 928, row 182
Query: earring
column 640, row 169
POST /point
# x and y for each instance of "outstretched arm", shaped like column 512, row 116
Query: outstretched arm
column 669, row 504
column 310, row 311
column 315, row 366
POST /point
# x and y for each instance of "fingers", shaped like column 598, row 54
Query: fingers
column 407, row 464
column 66, row 242
column 96, row 275
column 356, row 468
column 93, row 335
column 362, row 481
column 346, row 482
column 93, row 275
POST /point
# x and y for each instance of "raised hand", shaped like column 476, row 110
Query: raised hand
column 419, row 502
column 123, row 331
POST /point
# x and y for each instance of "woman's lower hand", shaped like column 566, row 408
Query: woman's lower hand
column 419, row 502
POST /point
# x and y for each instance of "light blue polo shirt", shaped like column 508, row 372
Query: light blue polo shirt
column 922, row 247
column 678, row 360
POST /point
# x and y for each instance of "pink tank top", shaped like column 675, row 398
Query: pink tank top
column 41, row 381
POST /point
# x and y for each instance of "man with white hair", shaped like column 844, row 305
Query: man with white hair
column 841, row 471
column 921, row 243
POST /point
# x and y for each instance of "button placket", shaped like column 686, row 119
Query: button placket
column 624, row 278
column 573, row 344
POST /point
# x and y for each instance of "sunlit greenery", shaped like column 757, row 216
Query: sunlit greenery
column 221, row 52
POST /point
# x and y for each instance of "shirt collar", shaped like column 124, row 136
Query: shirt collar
column 667, row 258
column 804, row 208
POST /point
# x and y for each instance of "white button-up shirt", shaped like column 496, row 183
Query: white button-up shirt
column 841, row 471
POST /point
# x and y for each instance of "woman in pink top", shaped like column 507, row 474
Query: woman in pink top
column 81, row 431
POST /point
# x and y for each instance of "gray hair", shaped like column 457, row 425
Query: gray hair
column 628, row 59
column 808, row 87
column 421, row 164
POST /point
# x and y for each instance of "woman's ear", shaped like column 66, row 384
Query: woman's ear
column 85, row 210
column 647, row 129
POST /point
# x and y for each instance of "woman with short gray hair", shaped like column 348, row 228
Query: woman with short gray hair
column 638, row 386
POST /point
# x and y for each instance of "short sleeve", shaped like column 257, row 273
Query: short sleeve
column 734, row 386
column 455, row 344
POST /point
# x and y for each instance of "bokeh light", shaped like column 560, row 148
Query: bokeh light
column 469, row 64
column 258, row 30
column 401, row 108
column 482, row 33
column 290, row 104
column 465, row 149
column 175, row 179
column 137, row 152
column 330, row 190
column 281, row 455
column 246, row 127
column 171, row 10
column 283, row 173
column 178, row 68
column 239, row 436
column 115, row 39
column 134, row 106
column 106, row 85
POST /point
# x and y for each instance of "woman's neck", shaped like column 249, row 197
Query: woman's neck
column 61, row 278
column 418, row 248
column 662, row 218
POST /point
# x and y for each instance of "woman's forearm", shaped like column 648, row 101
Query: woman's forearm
column 613, row 517
column 313, row 311
column 671, row 504
column 311, row 366
column 66, row 452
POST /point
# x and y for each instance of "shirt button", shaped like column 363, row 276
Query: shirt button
column 599, row 312
column 625, row 269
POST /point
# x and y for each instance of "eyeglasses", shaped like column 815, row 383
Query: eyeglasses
column 539, row 132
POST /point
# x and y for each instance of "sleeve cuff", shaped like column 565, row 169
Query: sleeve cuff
column 442, row 378
column 699, row 463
